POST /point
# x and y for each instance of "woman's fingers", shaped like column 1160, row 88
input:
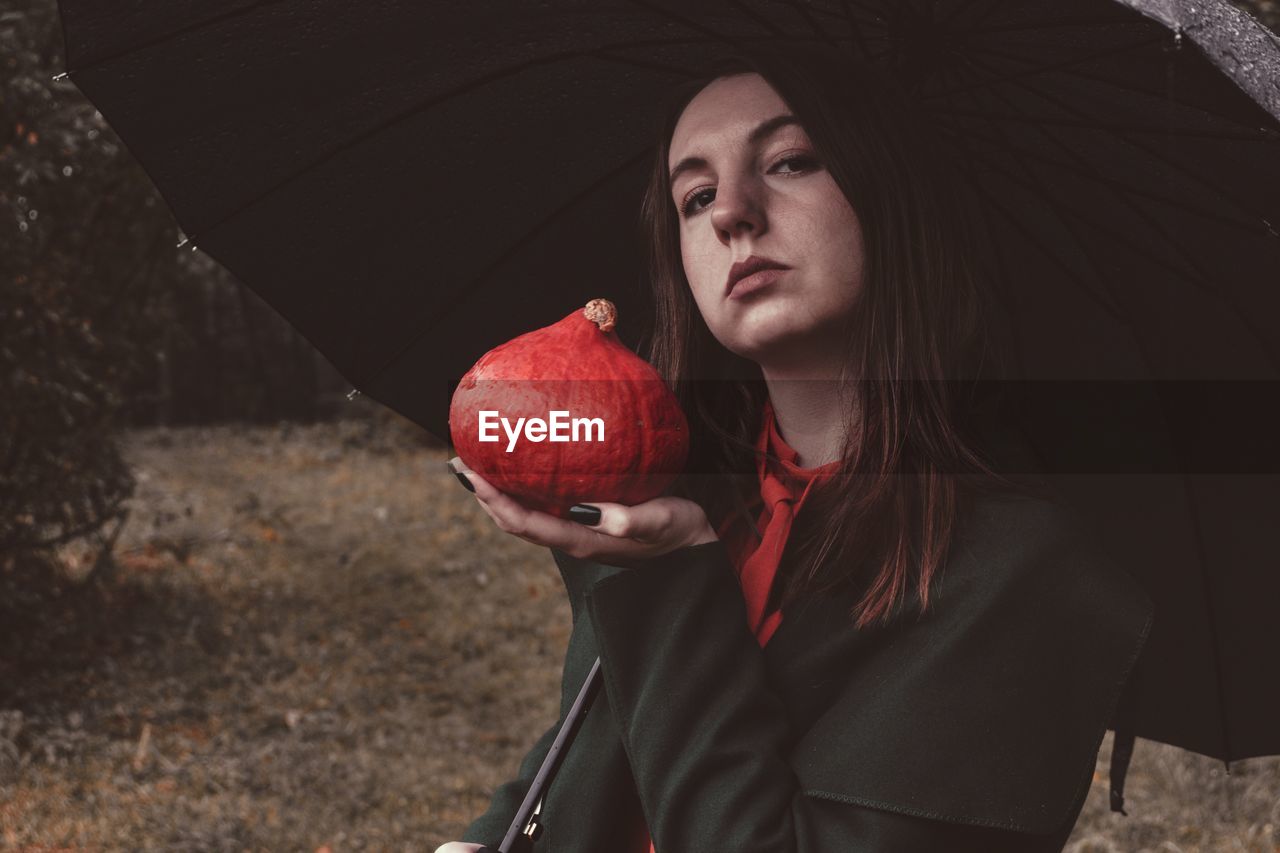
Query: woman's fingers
column 615, row 520
column 643, row 522
column 505, row 510
column 654, row 526
column 485, row 492
column 512, row 517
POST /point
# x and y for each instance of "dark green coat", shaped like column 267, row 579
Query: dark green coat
column 975, row 727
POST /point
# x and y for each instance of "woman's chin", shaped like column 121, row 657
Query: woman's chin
column 769, row 346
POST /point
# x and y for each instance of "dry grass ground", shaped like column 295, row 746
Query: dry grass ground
column 316, row 639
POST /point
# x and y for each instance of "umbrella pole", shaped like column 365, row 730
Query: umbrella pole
column 526, row 827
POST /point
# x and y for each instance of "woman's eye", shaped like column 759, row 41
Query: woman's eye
column 689, row 206
column 796, row 164
column 799, row 163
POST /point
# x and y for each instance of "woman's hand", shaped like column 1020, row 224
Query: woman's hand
column 622, row 535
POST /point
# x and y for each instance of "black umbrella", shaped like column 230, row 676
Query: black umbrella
column 410, row 185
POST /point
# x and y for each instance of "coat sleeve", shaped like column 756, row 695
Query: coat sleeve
column 710, row 743
column 490, row 827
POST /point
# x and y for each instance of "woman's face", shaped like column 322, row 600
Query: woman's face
column 746, row 183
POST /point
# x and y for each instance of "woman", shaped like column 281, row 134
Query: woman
column 851, row 634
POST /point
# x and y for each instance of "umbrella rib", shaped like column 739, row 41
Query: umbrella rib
column 189, row 28
column 1212, row 627
column 1057, row 25
column 818, row 29
column 461, row 294
column 988, row 13
column 876, row 12
column 1196, row 528
column 811, row 9
column 1125, row 316
column 1119, row 132
column 856, row 30
column 732, row 41
column 1003, row 268
column 968, row 170
column 1043, row 69
column 599, row 53
column 198, row 25
column 956, row 11
column 1097, row 177
column 1119, row 128
column 1194, row 280
column 1197, row 531
column 1114, row 83
column 1197, row 281
column 835, row 15
column 1113, row 308
column 605, row 52
column 693, row 25
column 1123, row 196
column 1248, row 224
column 1031, row 237
column 750, row 13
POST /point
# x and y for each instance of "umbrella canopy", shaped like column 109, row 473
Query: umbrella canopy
column 411, row 185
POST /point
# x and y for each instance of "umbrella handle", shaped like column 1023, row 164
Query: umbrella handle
column 526, row 828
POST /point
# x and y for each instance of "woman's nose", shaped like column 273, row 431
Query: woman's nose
column 738, row 208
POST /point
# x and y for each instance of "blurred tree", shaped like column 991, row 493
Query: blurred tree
column 102, row 320
column 80, row 234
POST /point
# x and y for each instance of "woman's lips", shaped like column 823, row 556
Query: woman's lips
column 755, row 282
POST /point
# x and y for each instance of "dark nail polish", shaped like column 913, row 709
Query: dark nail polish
column 584, row 514
column 464, row 480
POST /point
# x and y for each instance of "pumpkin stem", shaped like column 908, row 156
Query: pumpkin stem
column 602, row 313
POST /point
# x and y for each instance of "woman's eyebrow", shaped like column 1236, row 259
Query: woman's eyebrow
column 762, row 130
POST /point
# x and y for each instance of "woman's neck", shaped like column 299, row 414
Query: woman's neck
column 811, row 413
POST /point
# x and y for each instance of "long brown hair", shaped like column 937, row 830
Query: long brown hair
column 918, row 334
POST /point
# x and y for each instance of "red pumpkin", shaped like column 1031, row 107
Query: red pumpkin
column 567, row 414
